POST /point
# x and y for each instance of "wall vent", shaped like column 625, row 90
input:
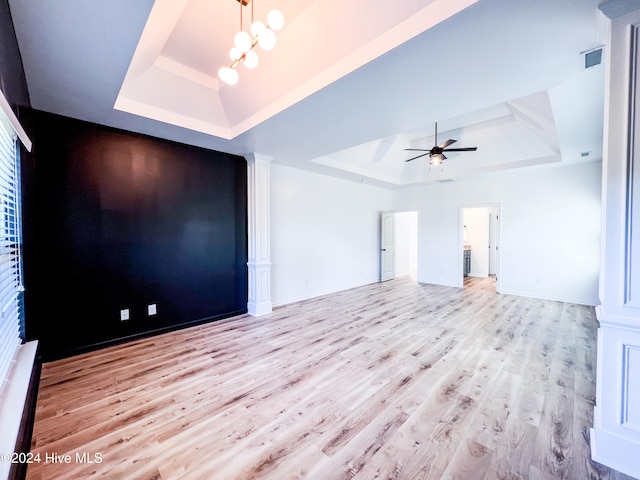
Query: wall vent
column 592, row 58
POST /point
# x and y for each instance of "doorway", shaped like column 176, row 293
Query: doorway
column 398, row 245
column 480, row 234
column 407, row 244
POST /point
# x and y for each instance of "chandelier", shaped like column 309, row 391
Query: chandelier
column 244, row 43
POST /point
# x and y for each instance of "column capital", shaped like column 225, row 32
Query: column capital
column 257, row 158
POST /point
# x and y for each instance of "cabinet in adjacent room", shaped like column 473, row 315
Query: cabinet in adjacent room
column 467, row 260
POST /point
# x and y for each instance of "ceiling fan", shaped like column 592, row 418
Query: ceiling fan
column 436, row 155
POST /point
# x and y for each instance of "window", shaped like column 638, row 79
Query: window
column 10, row 247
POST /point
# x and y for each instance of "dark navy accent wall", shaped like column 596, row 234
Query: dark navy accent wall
column 117, row 220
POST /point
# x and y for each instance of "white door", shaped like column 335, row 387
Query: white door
column 387, row 246
column 494, row 247
column 492, row 242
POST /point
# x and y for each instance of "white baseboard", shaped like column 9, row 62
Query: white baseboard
column 578, row 301
column 619, row 453
column 321, row 293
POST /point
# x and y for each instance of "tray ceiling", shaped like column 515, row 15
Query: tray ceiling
column 348, row 86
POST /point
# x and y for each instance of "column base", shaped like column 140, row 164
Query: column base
column 615, row 452
column 259, row 301
column 259, row 309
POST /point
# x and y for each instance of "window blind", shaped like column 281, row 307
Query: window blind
column 10, row 240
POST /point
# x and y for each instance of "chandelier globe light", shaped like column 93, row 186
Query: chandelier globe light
column 275, row 20
column 228, row 75
column 267, row 39
column 242, row 41
column 245, row 42
column 257, row 28
column 251, row 59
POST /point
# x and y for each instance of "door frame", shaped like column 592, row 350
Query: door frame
column 498, row 238
column 400, row 247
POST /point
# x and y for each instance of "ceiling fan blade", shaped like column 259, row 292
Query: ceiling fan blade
column 447, row 143
column 417, row 157
column 468, row 149
column 417, row 149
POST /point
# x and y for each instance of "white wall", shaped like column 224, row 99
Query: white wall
column 550, row 230
column 324, row 233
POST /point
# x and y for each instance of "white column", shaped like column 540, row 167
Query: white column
column 615, row 436
column 259, row 231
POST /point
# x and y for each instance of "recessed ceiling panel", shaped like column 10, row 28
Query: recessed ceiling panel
column 513, row 134
column 320, row 43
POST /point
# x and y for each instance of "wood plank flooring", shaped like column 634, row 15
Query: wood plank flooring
column 395, row 380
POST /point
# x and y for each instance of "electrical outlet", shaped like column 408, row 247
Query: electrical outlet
column 151, row 309
column 124, row 314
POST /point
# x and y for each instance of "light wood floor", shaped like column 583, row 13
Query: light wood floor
column 390, row 381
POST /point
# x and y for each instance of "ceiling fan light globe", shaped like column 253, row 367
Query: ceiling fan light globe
column 275, row 20
column 436, row 159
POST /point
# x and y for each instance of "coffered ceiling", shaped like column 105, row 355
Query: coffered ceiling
column 347, row 88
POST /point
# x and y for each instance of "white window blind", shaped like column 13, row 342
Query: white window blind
column 10, row 277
